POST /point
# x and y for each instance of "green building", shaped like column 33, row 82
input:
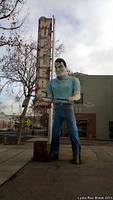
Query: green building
column 97, row 101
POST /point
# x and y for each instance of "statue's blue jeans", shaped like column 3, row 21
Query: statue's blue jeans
column 65, row 112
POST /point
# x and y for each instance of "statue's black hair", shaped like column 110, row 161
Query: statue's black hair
column 59, row 60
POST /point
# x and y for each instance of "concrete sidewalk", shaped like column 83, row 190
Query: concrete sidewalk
column 59, row 180
column 13, row 158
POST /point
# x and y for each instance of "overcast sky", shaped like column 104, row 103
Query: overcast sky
column 85, row 27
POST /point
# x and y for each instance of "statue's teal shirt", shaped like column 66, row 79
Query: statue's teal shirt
column 63, row 89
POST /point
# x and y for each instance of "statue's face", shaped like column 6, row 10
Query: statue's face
column 60, row 69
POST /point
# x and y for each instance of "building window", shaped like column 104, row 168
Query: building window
column 111, row 129
column 82, row 128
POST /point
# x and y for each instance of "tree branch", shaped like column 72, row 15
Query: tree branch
column 4, row 86
column 10, row 13
column 12, row 28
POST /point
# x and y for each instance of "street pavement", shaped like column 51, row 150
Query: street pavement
column 21, row 178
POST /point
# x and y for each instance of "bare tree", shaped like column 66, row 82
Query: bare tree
column 2, row 106
column 9, row 20
column 19, row 66
column 59, row 48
